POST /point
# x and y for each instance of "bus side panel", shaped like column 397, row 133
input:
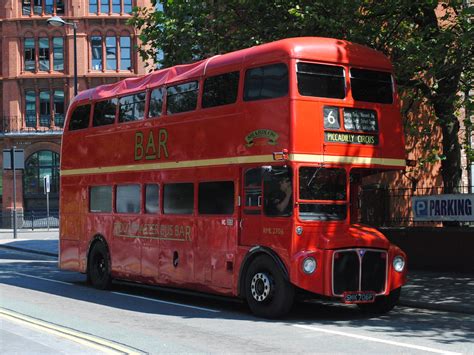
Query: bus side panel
column 176, row 254
column 215, row 247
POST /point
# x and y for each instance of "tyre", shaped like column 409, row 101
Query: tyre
column 98, row 267
column 382, row 304
column 267, row 291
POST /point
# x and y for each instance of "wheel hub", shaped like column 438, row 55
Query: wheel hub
column 261, row 287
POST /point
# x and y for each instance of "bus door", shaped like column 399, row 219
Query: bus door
column 267, row 207
column 216, row 234
column 251, row 207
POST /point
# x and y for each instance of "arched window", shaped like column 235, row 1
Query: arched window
column 37, row 166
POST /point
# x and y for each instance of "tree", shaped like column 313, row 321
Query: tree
column 430, row 43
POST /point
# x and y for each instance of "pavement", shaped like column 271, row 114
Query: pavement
column 442, row 291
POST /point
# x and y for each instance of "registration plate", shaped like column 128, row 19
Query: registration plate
column 359, row 297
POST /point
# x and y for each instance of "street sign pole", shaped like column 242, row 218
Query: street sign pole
column 47, row 187
column 14, row 192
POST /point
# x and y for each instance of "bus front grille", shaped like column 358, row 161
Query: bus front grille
column 359, row 270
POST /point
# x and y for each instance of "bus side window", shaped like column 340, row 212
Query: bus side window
column 216, row 197
column 253, row 187
column 156, row 103
column 100, row 200
column 80, row 117
column 178, row 198
column 266, row 82
column 182, row 97
column 127, row 198
column 104, row 112
column 132, row 107
column 152, row 198
column 220, row 90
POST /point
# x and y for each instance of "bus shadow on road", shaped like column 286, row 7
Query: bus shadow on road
column 42, row 276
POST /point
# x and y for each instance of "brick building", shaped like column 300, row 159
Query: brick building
column 37, row 76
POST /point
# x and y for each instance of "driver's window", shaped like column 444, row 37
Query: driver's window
column 278, row 191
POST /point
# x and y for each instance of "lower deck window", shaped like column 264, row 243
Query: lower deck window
column 100, row 199
column 178, row 198
column 216, row 197
column 128, row 199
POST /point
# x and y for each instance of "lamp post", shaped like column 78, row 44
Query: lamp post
column 57, row 21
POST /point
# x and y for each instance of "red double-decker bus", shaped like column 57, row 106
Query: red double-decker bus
column 237, row 175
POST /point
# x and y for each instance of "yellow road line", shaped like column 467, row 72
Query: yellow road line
column 88, row 340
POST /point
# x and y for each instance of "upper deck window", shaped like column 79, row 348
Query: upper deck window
column 80, row 117
column 182, row 97
column 321, row 80
column 132, row 107
column 266, row 82
column 220, row 90
column 371, row 86
column 156, row 103
column 104, row 112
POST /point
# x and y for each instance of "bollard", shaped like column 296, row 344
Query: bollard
column 32, row 220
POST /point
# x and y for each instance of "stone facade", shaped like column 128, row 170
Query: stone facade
column 37, row 79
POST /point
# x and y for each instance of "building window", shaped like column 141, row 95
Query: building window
column 125, row 53
column 93, row 8
column 44, row 47
column 30, row 109
column 45, row 109
column 127, row 6
column 51, row 107
column 37, row 166
column 58, row 54
column 26, row 7
column 30, row 54
column 111, row 58
column 42, row 7
column 43, row 54
column 116, row 7
column 96, row 48
column 106, row 5
column 111, row 53
column 58, row 108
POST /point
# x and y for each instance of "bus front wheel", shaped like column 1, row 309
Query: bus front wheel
column 98, row 268
column 267, row 291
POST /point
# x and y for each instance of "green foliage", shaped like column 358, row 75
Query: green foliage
column 429, row 42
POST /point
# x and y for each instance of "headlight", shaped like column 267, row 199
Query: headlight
column 309, row 265
column 398, row 263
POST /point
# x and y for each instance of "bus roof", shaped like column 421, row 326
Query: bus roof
column 319, row 49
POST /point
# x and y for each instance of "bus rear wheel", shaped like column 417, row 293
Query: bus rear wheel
column 382, row 304
column 98, row 267
column 267, row 291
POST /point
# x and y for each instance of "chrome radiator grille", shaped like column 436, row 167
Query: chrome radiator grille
column 359, row 270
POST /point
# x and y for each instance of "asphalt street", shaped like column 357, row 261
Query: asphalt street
column 37, row 299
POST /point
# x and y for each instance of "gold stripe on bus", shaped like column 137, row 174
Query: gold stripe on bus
column 170, row 165
column 306, row 158
column 319, row 158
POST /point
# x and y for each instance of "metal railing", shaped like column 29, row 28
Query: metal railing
column 17, row 124
column 31, row 219
column 385, row 207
